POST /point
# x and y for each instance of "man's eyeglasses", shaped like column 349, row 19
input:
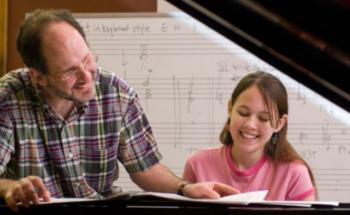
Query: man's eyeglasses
column 88, row 65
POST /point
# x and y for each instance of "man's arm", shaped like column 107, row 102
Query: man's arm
column 159, row 178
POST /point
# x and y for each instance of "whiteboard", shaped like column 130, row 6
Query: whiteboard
column 184, row 74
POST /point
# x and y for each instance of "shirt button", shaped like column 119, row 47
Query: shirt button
column 70, row 155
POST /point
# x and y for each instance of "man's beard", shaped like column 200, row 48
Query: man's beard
column 65, row 95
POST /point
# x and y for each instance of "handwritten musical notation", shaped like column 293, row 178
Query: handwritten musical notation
column 184, row 74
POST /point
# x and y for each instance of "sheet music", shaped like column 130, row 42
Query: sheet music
column 241, row 198
column 247, row 198
column 184, row 74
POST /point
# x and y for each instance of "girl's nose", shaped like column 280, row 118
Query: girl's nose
column 250, row 122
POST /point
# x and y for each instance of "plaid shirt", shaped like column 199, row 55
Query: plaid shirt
column 76, row 157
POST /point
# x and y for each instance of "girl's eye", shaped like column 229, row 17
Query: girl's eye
column 263, row 119
column 243, row 113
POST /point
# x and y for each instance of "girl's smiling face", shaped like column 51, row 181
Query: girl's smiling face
column 250, row 123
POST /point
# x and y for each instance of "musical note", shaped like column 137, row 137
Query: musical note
column 190, row 96
column 326, row 137
column 302, row 136
column 342, row 150
column 300, row 95
column 124, row 64
column 308, row 154
column 143, row 52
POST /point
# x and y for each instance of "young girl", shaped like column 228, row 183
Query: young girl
column 256, row 154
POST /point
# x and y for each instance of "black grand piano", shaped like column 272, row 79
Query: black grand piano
column 307, row 40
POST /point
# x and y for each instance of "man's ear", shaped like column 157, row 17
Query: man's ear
column 37, row 77
column 281, row 122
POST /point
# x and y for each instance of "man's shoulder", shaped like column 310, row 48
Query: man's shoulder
column 13, row 83
column 109, row 79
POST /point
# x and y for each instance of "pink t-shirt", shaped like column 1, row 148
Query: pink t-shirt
column 285, row 181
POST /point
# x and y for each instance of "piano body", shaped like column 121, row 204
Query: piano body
column 307, row 40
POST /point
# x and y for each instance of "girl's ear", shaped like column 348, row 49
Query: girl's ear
column 229, row 107
column 37, row 77
column 281, row 122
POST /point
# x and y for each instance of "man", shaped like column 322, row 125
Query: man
column 64, row 123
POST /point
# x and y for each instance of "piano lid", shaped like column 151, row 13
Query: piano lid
column 307, row 40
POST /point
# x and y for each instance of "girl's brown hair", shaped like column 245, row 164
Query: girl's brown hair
column 276, row 98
